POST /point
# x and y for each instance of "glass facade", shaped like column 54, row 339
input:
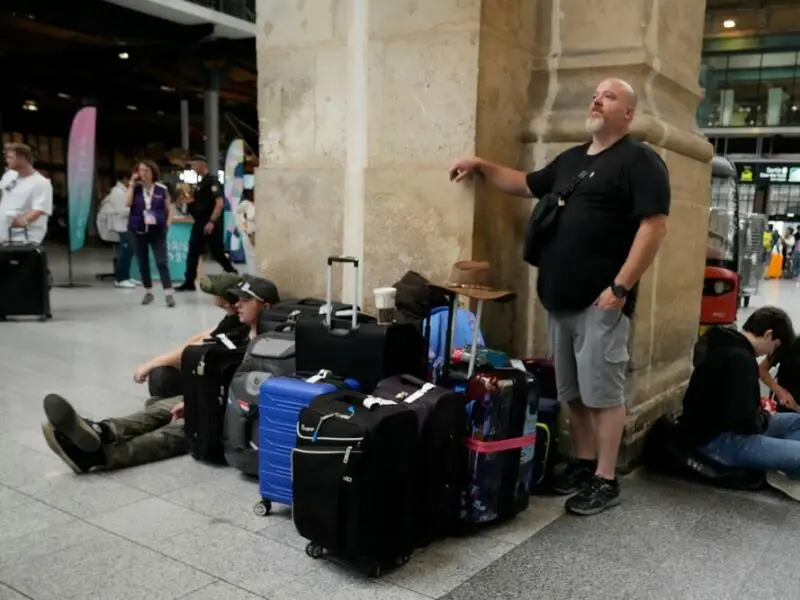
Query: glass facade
column 760, row 89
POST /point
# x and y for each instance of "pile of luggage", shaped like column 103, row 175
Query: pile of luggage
column 380, row 439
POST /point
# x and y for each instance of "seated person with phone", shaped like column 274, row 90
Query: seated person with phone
column 722, row 414
column 156, row 432
column 785, row 386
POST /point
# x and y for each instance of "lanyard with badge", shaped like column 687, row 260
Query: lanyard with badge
column 149, row 215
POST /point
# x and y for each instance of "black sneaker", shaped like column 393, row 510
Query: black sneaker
column 83, row 433
column 186, row 287
column 576, row 476
column 78, row 460
column 599, row 495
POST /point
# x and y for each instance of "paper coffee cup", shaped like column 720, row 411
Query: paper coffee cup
column 384, row 297
column 384, row 304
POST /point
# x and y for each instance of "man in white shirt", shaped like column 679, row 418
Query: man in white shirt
column 26, row 202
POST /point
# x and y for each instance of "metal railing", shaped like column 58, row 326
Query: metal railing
column 241, row 9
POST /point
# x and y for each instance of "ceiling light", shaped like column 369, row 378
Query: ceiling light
column 160, row 112
column 166, row 88
column 729, row 23
column 794, row 108
column 131, row 107
column 64, row 96
column 30, row 106
column 124, row 55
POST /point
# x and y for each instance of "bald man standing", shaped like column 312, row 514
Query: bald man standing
column 608, row 234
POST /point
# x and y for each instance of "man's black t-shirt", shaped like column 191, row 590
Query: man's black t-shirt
column 626, row 183
column 205, row 196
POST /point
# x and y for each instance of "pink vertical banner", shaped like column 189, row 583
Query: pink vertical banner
column 80, row 174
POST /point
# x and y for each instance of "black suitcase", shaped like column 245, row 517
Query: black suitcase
column 353, row 480
column 24, row 281
column 268, row 354
column 366, row 352
column 288, row 312
column 442, row 468
column 206, row 371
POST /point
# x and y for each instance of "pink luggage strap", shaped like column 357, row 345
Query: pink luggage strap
column 482, row 447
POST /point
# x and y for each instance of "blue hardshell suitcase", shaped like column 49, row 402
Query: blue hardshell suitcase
column 281, row 399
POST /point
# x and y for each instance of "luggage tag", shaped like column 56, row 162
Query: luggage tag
column 149, row 217
column 323, row 374
column 226, row 341
column 419, row 393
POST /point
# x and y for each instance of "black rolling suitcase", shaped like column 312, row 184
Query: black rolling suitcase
column 442, row 468
column 206, row 371
column 364, row 351
column 353, row 480
column 24, row 281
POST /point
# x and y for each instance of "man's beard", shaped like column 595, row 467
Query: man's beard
column 594, row 123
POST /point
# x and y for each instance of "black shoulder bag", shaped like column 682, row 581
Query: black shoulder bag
column 543, row 222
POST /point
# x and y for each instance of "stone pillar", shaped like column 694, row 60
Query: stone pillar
column 656, row 46
column 363, row 105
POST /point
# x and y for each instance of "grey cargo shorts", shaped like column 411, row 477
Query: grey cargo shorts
column 590, row 355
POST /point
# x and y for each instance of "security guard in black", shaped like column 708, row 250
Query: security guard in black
column 206, row 209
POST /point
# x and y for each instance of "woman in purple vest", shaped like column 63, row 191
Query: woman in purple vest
column 148, row 222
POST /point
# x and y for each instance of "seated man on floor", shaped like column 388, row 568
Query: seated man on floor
column 163, row 372
column 785, row 386
column 722, row 414
column 155, row 433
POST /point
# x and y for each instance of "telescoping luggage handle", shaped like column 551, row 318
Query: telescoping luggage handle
column 24, row 229
column 451, row 328
column 329, row 294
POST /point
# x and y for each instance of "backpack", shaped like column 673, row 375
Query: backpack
column 465, row 325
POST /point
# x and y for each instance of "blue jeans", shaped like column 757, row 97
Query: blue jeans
column 778, row 449
column 122, row 261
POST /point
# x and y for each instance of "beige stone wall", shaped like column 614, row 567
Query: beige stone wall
column 363, row 105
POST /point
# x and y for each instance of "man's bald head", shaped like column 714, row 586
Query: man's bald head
column 612, row 108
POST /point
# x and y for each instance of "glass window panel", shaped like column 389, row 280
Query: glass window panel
column 744, row 61
column 779, row 59
column 719, row 61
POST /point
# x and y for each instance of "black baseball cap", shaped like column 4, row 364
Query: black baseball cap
column 198, row 158
column 259, row 288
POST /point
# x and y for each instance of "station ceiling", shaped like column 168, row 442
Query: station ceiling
column 134, row 67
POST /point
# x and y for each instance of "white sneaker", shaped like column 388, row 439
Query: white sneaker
column 128, row 284
column 783, row 483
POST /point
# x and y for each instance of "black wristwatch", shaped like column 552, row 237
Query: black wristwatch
column 620, row 291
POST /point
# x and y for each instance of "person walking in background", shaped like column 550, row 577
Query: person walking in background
column 206, row 208
column 148, row 222
column 26, row 200
column 114, row 210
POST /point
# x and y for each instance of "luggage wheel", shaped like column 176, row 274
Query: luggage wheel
column 314, row 550
column 263, row 508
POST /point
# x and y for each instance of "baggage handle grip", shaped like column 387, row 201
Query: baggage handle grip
column 329, row 292
column 352, row 260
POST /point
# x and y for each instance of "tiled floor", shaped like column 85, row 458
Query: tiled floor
column 181, row 529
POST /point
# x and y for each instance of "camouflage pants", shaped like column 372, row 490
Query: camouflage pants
column 145, row 436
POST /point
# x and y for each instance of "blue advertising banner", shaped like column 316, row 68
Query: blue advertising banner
column 80, row 174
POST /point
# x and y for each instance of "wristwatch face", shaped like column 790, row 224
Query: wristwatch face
column 619, row 291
